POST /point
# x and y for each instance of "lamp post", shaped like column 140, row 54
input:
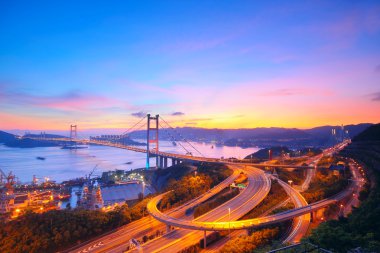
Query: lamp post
column 143, row 189
column 229, row 223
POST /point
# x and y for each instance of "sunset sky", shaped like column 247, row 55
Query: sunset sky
column 222, row 64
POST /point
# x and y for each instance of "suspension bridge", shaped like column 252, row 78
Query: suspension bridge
column 153, row 125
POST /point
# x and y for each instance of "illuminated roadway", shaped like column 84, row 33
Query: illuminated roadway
column 146, row 225
column 138, row 228
column 243, row 224
column 257, row 189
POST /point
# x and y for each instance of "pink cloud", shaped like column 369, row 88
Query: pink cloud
column 71, row 101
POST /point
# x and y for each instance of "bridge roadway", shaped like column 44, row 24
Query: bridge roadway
column 257, row 189
column 146, row 225
column 170, row 155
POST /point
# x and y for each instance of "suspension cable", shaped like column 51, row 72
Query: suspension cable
column 181, row 136
column 167, row 132
column 125, row 133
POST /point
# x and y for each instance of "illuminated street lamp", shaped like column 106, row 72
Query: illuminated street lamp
column 143, row 184
column 229, row 223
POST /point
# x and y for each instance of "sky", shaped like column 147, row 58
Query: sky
column 213, row 64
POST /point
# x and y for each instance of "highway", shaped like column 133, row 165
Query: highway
column 148, row 225
column 271, row 219
column 116, row 242
column 257, row 189
column 257, row 222
column 301, row 223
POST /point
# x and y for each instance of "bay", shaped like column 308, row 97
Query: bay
column 63, row 164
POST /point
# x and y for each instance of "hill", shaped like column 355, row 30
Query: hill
column 6, row 137
column 359, row 232
column 11, row 140
column 372, row 133
column 264, row 153
column 262, row 137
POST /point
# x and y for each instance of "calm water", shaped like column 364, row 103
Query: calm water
column 63, row 164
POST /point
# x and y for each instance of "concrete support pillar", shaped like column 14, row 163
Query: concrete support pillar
column 204, row 240
column 161, row 162
column 312, row 216
column 174, row 161
column 165, row 162
column 157, row 162
column 168, row 228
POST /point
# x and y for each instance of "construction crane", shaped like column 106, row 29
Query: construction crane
column 91, row 173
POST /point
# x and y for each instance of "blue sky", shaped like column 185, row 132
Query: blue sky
column 220, row 63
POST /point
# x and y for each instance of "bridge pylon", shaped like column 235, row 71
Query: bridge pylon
column 154, row 140
column 73, row 132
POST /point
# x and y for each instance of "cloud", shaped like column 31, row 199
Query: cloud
column 139, row 114
column 375, row 96
column 178, row 114
column 377, row 69
column 73, row 100
column 286, row 92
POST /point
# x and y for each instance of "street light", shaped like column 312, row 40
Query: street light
column 143, row 183
column 229, row 223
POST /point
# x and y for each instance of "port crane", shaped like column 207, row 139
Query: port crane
column 7, row 181
column 6, row 191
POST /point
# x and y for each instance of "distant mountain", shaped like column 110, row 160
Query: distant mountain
column 262, row 137
column 43, row 135
column 126, row 140
column 11, row 140
column 264, row 153
column 30, row 143
column 372, row 133
column 6, row 137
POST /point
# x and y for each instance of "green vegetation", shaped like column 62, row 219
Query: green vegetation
column 296, row 175
column 325, row 184
column 191, row 186
column 248, row 243
column 263, row 154
column 284, row 208
column 221, row 198
column 361, row 228
column 58, row 229
column 371, row 134
column 184, row 190
column 327, row 161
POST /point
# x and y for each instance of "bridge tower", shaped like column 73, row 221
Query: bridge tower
column 154, row 141
column 73, row 132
